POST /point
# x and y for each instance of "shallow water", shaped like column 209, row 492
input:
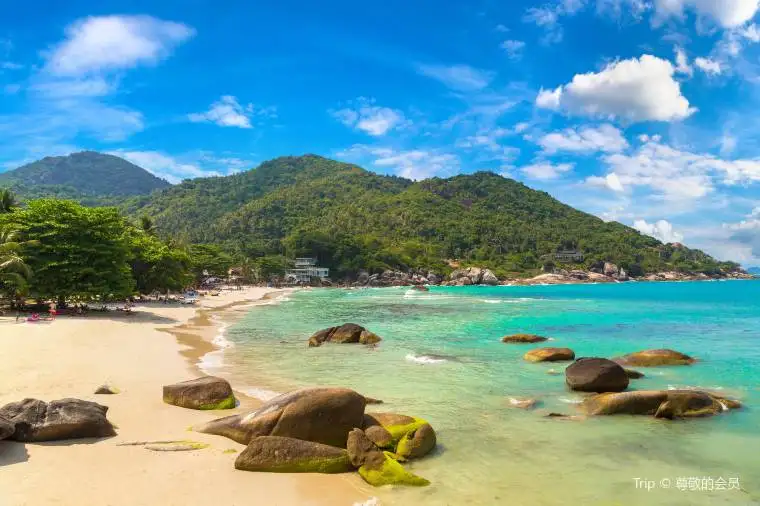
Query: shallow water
column 442, row 359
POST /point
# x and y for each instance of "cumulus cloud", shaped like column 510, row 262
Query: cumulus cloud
column 546, row 171
column 639, row 89
column 661, row 230
column 458, row 77
column 725, row 13
column 673, row 174
column 611, row 181
column 226, row 112
column 604, row 138
column 364, row 115
column 103, row 43
column 708, row 66
column 412, row 164
column 513, row 48
column 746, row 233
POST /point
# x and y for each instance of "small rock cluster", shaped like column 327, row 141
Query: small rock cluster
column 397, row 278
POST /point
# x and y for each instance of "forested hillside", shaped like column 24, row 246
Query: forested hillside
column 353, row 219
column 93, row 178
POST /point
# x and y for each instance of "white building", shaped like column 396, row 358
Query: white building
column 305, row 270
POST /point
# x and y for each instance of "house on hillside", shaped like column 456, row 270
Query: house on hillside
column 569, row 256
column 306, row 269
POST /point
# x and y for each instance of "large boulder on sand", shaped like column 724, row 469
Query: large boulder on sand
column 489, row 278
column 523, row 339
column 320, row 415
column 348, row 333
column 658, row 403
column 275, row 454
column 201, row 393
column 549, row 355
column 596, row 375
column 6, row 428
column 359, row 447
column 653, row 358
column 36, row 420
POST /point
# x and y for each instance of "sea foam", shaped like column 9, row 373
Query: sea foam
column 425, row 359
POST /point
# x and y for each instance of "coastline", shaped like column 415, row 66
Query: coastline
column 138, row 354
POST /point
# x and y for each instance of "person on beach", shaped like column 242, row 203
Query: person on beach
column 53, row 310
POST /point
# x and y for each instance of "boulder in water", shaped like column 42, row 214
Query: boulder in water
column 549, row 355
column 417, row 443
column 668, row 404
column 396, row 425
column 348, row 333
column 596, row 375
column 320, row 415
column 523, row 339
column 633, row 374
column 204, row 393
column 34, row 420
column 273, row 454
column 523, row 403
column 654, row 358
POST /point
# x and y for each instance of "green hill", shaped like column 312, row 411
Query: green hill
column 353, row 219
column 90, row 177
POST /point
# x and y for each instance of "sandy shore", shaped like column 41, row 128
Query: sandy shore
column 72, row 356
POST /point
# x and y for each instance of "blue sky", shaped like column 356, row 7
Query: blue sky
column 640, row 111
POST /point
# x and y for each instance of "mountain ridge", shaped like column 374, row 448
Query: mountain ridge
column 86, row 176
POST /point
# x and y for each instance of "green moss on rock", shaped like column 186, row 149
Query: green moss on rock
column 390, row 472
column 227, row 403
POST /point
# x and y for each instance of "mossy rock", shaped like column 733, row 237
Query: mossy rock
column 417, row 443
column 106, row 389
column 176, row 446
column 383, row 469
column 396, row 425
column 206, row 393
column 274, row 454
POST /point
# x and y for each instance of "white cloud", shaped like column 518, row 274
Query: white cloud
column 96, row 44
column 727, row 144
column 605, row 138
column 226, row 112
column 369, row 118
column 618, row 9
column 675, row 175
column 188, row 166
column 747, row 234
column 726, row 13
column 682, row 62
column 513, row 48
column 647, row 138
column 548, row 17
column 610, row 181
column 521, row 127
column 412, row 164
column 546, row 171
column 636, row 90
column 661, row 230
column 458, row 77
column 708, row 66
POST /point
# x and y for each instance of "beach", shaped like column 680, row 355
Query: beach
column 72, row 356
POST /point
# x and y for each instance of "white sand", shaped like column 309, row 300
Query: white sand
column 71, row 357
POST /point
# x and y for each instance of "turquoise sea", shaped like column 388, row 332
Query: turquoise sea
column 442, row 359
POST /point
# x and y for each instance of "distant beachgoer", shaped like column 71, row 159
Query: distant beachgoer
column 53, row 310
column 34, row 318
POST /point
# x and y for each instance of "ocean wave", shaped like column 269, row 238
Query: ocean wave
column 516, row 300
column 372, row 501
column 261, row 394
column 568, row 400
column 426, row 359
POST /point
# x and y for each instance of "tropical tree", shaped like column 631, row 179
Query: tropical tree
column 14, row 273
column 74, row 252
column 8, row 201
column 147, row 225
column 155, row 265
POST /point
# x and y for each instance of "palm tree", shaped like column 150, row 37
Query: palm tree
column 8, row 201
column 14, row 273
